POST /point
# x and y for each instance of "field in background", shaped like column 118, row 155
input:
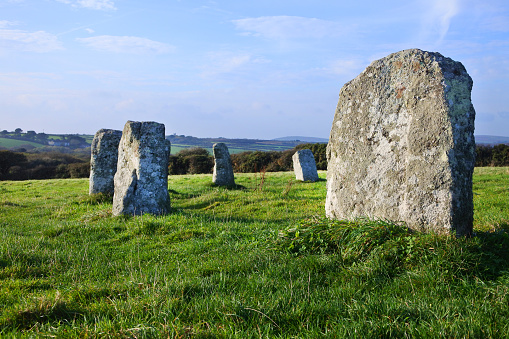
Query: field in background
column 13, row 143
column 256, row 261
column 178, row 143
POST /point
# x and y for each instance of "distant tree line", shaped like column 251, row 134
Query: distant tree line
column 487, row 155
column 196, row 160
column 48, row 165
column 69, row 140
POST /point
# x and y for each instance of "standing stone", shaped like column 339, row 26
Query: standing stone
column 304, row 166
column 103, row 161
column 223, row 170
column 141, row 181
column 402, row 146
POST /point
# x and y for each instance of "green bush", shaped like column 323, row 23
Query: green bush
column 497, row 155
column 195, row 160
column 50, row 165
column 274, row 161
column 9, row 159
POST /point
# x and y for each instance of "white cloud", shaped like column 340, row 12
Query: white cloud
column 89, row 30
column 39, row 41
column 287, row 27
column 437, row 19
column 126, row 44
column 101, row 5
column 348, row 67
column 97, row 4
column 5, row 23
column 228, row 62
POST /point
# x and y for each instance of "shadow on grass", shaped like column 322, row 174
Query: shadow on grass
column 46, row 311
column 235, row 187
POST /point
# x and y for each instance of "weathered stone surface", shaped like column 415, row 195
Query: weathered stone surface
column 304, row 165
column 402, row 146
column 141, row 181
column 223, row 170
column 103, row 161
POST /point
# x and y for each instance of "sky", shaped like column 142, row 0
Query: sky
column 236, row 69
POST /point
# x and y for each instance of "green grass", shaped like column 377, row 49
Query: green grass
column 491, row 197
column 13, row 143
column 255, row 261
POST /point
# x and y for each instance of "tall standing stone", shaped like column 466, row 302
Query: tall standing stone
column 223, row 170
column 402, row 146
column 304, row 165
column 141, row 181
column 103, row 161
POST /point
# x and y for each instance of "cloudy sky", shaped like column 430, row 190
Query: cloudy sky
column 229, row 68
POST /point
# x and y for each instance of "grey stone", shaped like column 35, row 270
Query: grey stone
column 304, row 165
column 402, row 147
column 223, row 170
column 103, row 161
column 141, row 181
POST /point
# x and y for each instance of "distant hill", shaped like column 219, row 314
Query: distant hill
column 179, row 142
column 490, row 140
column 303, row 139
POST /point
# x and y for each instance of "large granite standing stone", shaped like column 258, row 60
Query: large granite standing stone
column 103, row 161
column 141, row 181
column 304, row 165
column 223, row 170
column 402, row 146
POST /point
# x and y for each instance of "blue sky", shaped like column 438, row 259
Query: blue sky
column 237, row 69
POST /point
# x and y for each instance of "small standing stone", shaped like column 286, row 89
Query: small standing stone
column 223, row 169
column 402, row 144
column 103, row 161
column 141, row 181
column 304, row 166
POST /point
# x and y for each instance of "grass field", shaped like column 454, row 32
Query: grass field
column 258, row 261
column 13, row 143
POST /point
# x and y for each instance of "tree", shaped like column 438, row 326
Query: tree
column 500, row 155
column 194, row 160
column 76, row 141
column 41, row 137
column 483, row 155
column 18, row 130
column 30, row 135
column 9, row 159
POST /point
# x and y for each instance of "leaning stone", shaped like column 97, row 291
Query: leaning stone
column 141, row 181
column 223, row 170
column 103, row 161
column 402, row 147
column 304, row 165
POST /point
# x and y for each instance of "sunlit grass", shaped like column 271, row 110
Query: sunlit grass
column 258, row 260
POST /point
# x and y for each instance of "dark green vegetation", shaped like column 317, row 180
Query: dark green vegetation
column 197, row 160
column 255, row 261
column 497, row 155
column 46, row 165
